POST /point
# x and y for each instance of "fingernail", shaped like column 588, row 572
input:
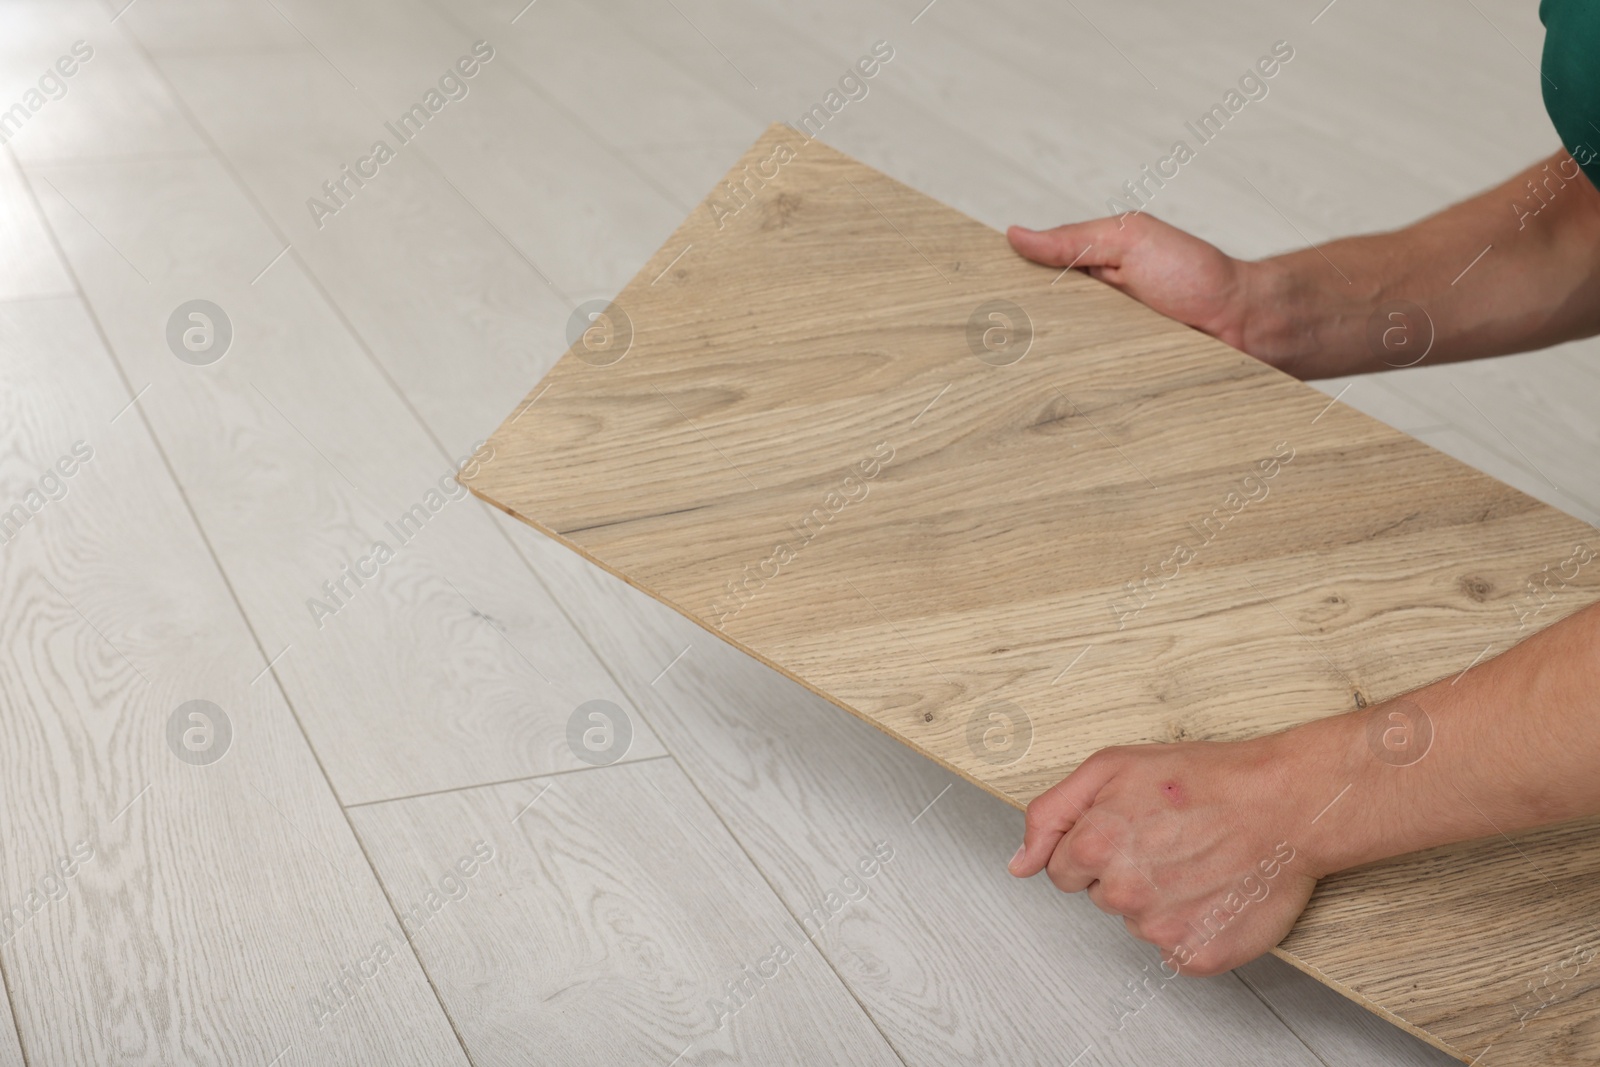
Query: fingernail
column 1020, row 850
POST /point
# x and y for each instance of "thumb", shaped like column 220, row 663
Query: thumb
column 1055, row 811
column 1096, row 243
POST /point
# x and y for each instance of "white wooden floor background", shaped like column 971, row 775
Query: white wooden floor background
column 424, row 726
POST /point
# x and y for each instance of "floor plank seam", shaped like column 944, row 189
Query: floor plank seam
column 505, row 781
column 755, row 866
column 401, row 926
column 612, row 150
column 1262, row 997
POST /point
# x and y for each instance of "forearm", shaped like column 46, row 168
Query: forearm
column 1538, row 285
column 1515, row 744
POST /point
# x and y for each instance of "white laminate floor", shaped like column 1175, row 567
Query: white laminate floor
column 375, row 840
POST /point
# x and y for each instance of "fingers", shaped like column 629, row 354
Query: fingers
column 1078, row 861
column 1096, row 243
column 1055, row 811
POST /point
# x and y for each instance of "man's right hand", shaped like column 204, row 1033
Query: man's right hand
column 1162, row 267
column 1494, row 274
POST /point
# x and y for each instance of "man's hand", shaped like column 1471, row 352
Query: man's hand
column 1506, row 271
column 1194, row 844
column 1158, row 265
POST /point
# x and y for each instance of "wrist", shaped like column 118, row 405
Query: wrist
column 1296, row 320
column 1273, row 322
column 1332, row 799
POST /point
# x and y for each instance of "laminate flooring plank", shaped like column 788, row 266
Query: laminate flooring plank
column 676, row 522
column 607, row 917
column 178, row 889
column 300, row 460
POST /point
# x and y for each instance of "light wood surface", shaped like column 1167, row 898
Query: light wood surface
column 600, row 127
column 10, row 1049
column 975, row 525
column 428, row 677
column 201, row 907
column 607, row 926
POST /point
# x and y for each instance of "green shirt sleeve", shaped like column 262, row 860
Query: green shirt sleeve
column 1571, row 77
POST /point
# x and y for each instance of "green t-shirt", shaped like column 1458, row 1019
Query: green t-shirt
column 1571, row 77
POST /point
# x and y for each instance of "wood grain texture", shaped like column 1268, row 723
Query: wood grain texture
column 10, row 1048
column 155, row 910
column 426, row 676
column 823, row 325
column 610, row 918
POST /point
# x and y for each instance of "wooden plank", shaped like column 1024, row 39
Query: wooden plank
column 161, row 908
column 607, row 917
column 680, row 465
